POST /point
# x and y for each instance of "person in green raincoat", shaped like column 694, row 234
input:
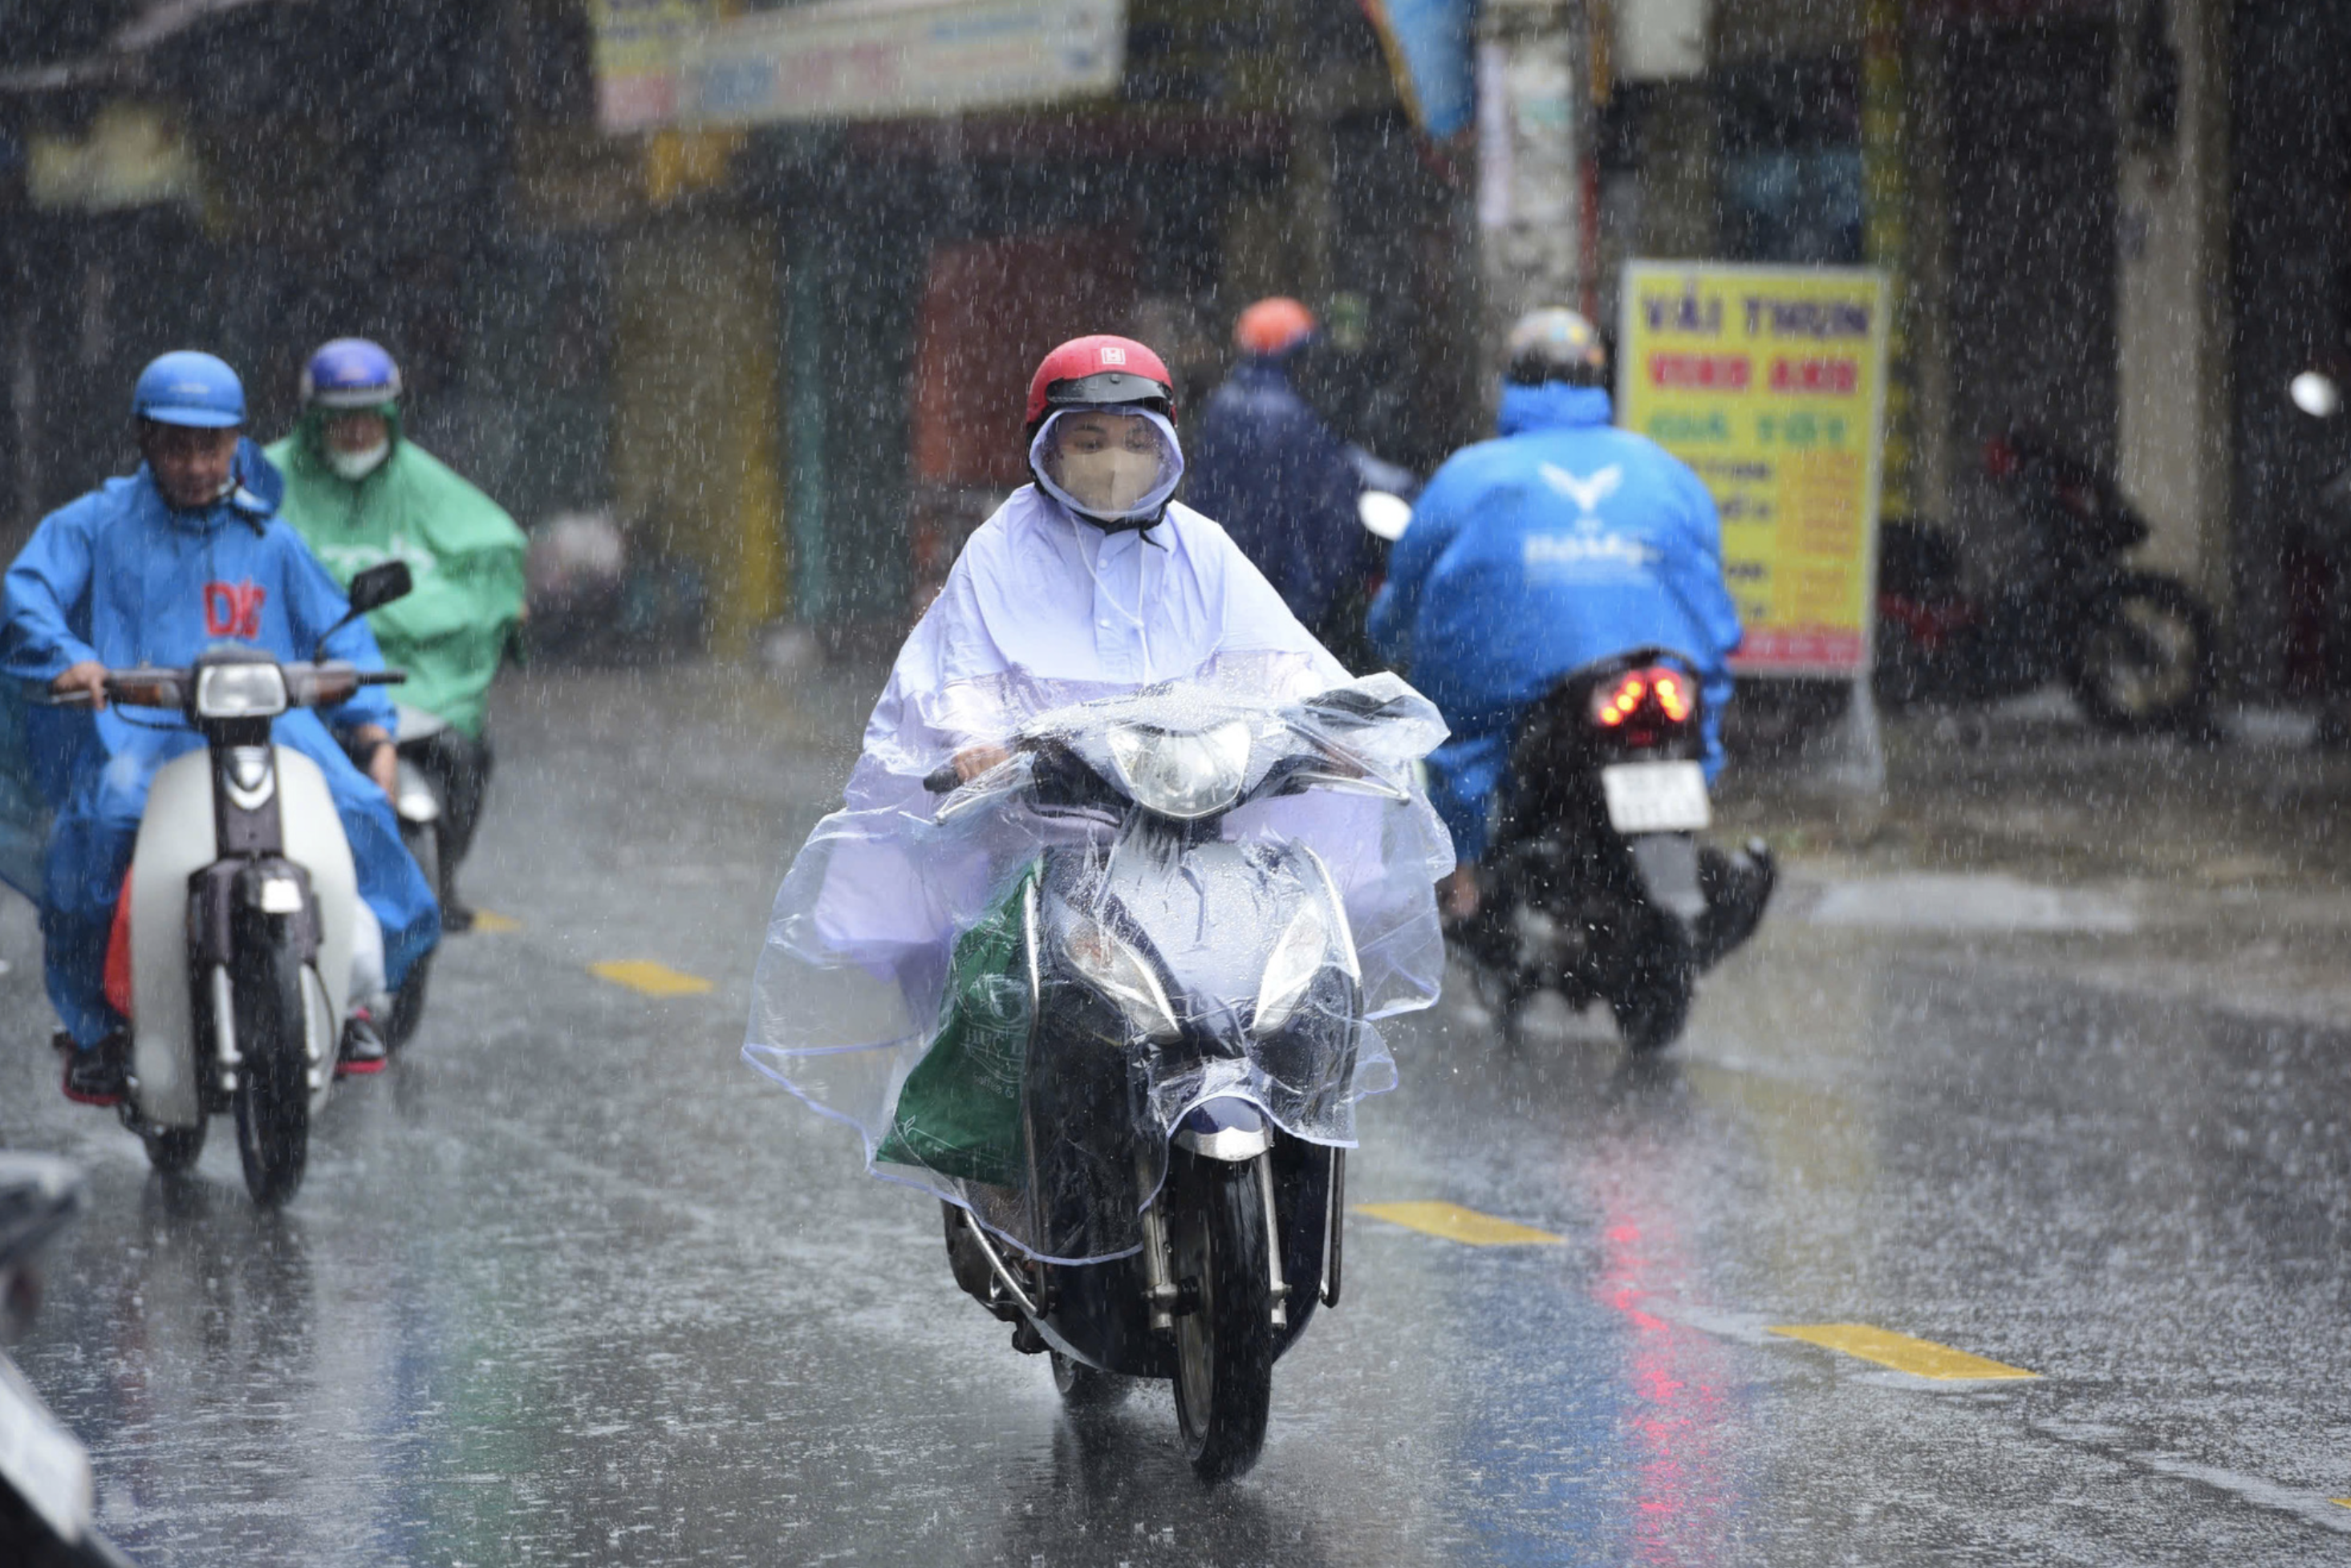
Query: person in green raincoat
column 362, row 493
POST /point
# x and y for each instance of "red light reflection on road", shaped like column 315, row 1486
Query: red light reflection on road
column 1674, row 1378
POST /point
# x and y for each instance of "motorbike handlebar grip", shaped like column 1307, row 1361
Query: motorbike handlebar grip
column 941, row 779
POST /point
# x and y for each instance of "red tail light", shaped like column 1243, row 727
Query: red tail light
column 1672, row 693
column 1614, row 706
column 1658, row 693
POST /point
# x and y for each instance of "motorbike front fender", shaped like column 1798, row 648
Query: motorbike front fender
column 176, row 841
column 417, row 801
column 1666, row 864
column 1227, row 1129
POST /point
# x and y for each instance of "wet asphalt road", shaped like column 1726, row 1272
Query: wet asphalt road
column 571, row 1284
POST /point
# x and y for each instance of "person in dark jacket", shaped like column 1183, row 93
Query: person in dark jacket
column 1263, row 463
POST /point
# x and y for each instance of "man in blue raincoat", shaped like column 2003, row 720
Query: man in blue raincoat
column 1564, row 540
column 153, row 569
column 1263, row 463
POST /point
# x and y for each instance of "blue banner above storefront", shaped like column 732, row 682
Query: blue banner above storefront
column 1430, row 46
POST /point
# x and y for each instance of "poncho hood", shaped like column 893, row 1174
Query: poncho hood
column 1555, row 405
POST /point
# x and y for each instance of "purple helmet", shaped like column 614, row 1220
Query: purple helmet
column 350, row 372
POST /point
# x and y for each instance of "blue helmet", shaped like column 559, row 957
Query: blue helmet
column 350, row 372
column 185, row 387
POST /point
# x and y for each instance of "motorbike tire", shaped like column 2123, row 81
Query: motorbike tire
column 1651, row 1009
column 2131, row 678
column 1224, row 1343
column 408, row 1005
column 422, row 842
column 273, row 1083
column 174, row 1150
column 1084, row 1387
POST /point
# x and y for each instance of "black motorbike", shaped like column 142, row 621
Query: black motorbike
column 1596, row 886
column 45, row 1494
column 1185, row 1029
column 2134, row 647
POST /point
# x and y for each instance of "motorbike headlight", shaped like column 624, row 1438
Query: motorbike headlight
column 1111, row 964
column 1182, row 775
column 240, row 691
column 1297, row 958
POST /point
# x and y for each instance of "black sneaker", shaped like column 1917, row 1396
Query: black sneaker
column 99, row 1075
column 363, row 1051
column 457, row 918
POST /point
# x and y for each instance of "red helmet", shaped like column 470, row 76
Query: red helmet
column 1099, row 373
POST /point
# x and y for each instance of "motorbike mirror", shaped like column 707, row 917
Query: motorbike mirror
column 2316, row 394
column 371, row 590
column 1383, row 514
column 379, row 585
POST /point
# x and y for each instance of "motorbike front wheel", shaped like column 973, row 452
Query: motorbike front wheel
column 1224, row 1331
column 423, row 842
column 408, row 1004
column 273, row 1082
column 2144, row 660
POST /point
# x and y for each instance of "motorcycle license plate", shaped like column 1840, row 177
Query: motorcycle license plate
column 1655, row 796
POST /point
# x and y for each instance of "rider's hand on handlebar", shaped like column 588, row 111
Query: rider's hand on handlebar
column 87, row 678
column 974, row 760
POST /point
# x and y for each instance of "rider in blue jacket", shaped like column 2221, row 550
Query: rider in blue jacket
column 151, row 570
column 1564, row 540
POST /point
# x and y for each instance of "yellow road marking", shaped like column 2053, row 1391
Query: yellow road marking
column 2340, row 1501
column 651, row 979
column 1918, row 1357
column 486, row 921
column 1454, row 1223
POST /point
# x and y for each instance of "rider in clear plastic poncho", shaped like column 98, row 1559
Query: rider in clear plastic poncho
column 1087, row 584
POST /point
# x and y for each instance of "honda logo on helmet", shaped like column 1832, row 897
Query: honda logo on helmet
column 1112, row 354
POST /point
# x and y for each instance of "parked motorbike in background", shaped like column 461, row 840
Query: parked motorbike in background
column 2318, row 526
column 1186, row 1029
column 244, row 910
column 47, row 1499
column 2134, row 647
column 1596, row 886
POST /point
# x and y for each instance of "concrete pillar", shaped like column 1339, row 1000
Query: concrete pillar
column 2172, row 292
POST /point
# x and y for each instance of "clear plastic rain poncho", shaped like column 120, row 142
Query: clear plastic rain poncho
column 898, row 936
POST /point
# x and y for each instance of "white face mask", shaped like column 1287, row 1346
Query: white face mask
column 1125, row 470
column 358, row 466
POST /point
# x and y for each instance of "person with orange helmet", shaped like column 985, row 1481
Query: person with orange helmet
column 1266, row 465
